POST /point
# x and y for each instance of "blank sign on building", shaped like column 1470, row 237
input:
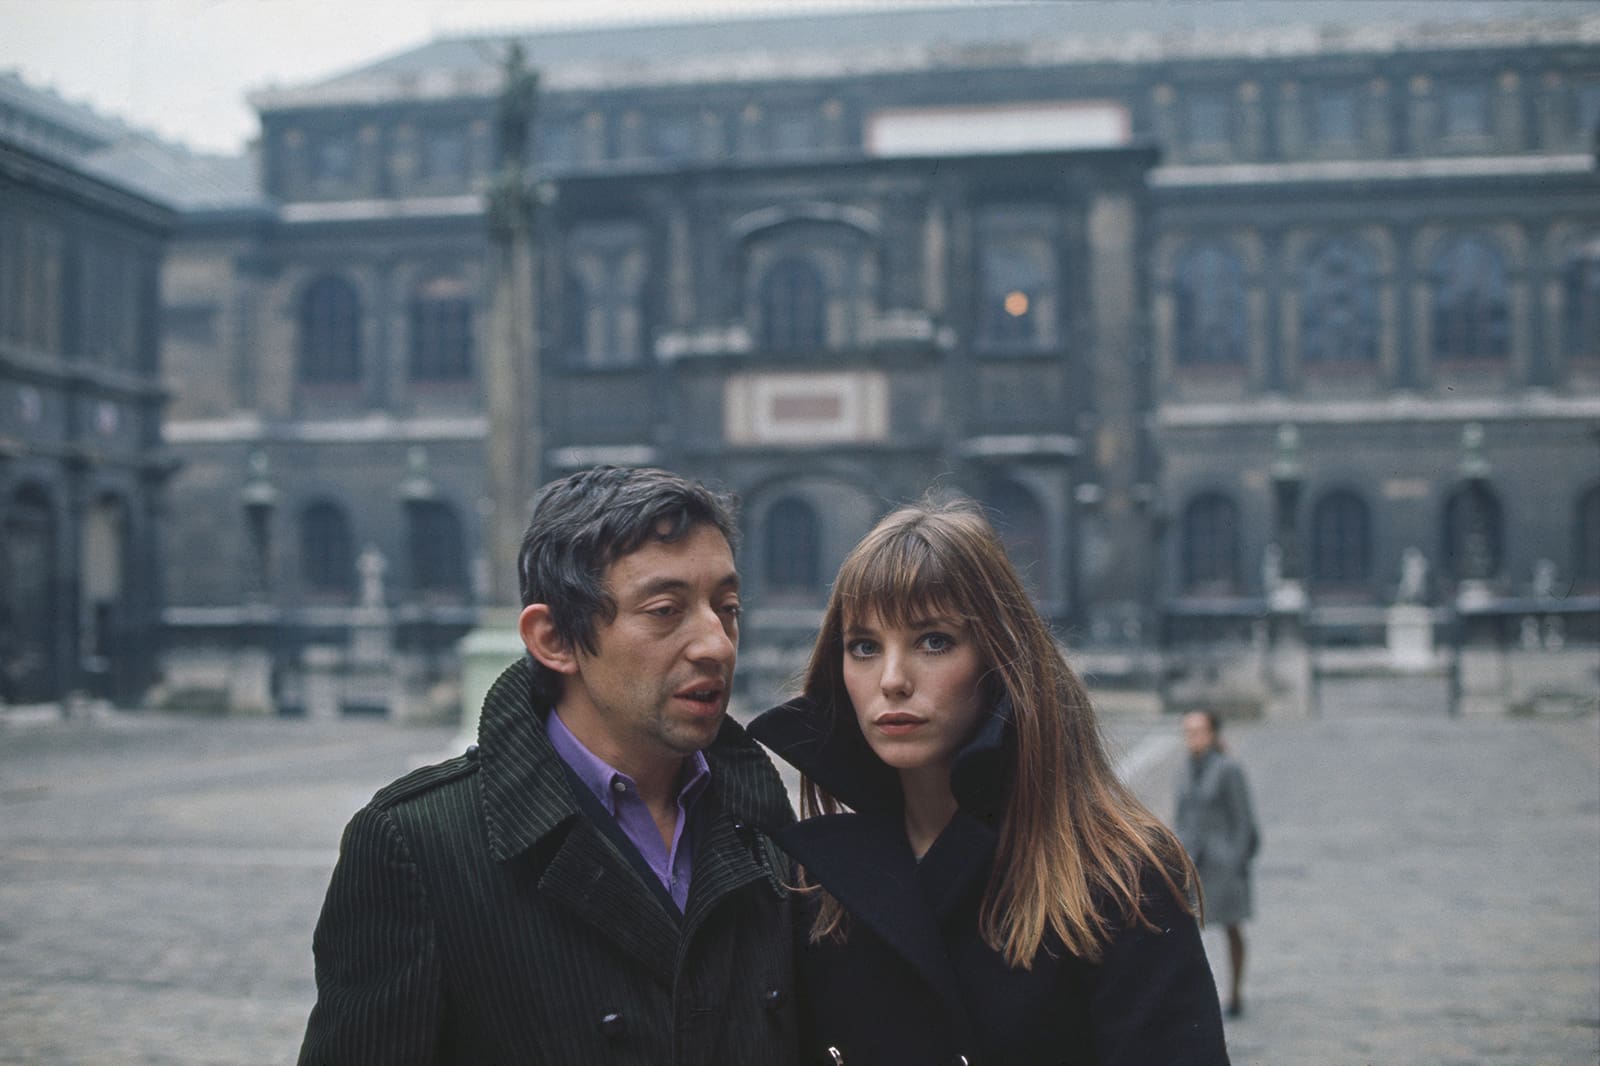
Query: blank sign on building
column 1004, row 128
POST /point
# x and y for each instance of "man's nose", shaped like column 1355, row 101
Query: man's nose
column 716, row 636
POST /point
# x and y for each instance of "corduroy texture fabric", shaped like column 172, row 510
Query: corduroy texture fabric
column 477, row 916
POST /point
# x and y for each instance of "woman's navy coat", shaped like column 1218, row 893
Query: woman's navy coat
column 913, row 984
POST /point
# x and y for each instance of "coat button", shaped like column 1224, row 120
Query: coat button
column 612, row 1025
column 834, row 1058
column 472, row 751
column 773, row 998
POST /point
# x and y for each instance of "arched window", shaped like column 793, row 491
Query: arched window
column 793, row 307
column 1586, row 542
column 1473, row 538
column 1471, row 301
column 1017, row 286
column 604, row 297
column 1211, row 546
column 327, row 559
column 1339, row 305
column 441, row 331
column 29, row 599
column 1341, row 540
column 1210, row 308
column 1581, row 285
column 434, row 541
column 1021, row 523
column 330, row 332
column 793, row 538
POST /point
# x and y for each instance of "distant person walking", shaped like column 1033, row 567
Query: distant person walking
column 1217, row 826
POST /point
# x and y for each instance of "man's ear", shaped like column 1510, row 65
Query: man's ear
column 539, row 636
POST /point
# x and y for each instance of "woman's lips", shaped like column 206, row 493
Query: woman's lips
column 897, row 723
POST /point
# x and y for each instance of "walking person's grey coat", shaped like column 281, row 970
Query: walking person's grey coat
column 1217, row 826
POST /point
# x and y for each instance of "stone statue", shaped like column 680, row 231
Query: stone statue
column 1544, row 579
column 519, row 98
column 371, row 564
column 1271, row 568
column 1413, row 576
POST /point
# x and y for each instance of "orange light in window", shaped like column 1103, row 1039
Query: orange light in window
column 1016, row 304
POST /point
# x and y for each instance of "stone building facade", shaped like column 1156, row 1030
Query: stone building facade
column 82, row 462
column 1234, row 315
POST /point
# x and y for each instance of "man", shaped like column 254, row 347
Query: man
column 593, row 882
column 1217, row 826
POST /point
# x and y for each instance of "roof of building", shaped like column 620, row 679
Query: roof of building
column 823, row 44
column 110, row 150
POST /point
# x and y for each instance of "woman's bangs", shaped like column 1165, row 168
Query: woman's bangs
column 901, row 581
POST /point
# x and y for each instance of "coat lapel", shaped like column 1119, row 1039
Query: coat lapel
column 528, row 802
column 863, row 860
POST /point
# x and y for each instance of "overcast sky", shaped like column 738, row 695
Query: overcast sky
column 181, row 68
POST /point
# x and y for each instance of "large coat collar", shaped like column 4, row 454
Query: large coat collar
column 526, row 795
column 862, row 857
column 528, row 804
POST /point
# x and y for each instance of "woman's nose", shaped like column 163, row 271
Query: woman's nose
column 896, row 678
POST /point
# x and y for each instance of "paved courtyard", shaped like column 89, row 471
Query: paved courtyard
column 1428, row 890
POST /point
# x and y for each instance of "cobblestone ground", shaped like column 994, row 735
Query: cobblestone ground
column 1428, row 892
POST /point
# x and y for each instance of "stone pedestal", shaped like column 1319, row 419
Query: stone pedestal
column 1408, row 633
column 1288, row 668
column 485, row 653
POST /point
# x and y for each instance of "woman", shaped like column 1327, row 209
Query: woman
column 1217, row 826
column 981, row 888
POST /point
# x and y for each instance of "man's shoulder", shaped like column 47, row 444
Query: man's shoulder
column 452, row 774
column 747, row 780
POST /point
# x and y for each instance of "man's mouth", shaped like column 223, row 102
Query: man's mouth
column 707, row 695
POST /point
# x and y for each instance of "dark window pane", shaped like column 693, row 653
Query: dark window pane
column 793, row 312
column 1335, row 117
column 1339, row 305
column 1581, row 285
column 1014, row 280
column 326, row 559
column 1210, row 308
column 438, row 561
column 1211, row 546
column 441, row 331
column 1208, row 120
column 1341, row 542
column 1464, row 110
column 793, row 536
column 1586, row 546
column 1471, row 304
column 1472, row 533
column 330, row 332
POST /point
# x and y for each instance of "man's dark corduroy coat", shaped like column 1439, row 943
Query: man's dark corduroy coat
column 477, row 916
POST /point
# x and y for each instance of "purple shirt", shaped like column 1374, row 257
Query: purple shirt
column 672, row 863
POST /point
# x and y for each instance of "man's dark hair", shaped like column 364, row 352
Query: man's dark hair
column 586, row 521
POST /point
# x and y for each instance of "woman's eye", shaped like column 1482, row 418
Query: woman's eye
column 937, row 643
column 861, row 649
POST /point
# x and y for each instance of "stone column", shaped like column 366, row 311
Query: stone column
column 513, row 450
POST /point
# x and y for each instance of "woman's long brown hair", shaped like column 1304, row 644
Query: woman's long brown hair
column 1074, row 841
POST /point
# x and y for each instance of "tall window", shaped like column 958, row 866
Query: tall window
column 1335, row 114
column 1210, row 308
column 1471, row 301
column 1339, row 305
column 1208, row 119
column 1586, row 543
column 793, row 538
column 604, row 296
column 1021, row 523
column 1341, row 540
column 29, row 598
column 327, row 558
column 1464, row 110
column 793, row 306
column 1581, row 285
column 438, row 558
column 441, row 331
column 330, row 332
column 1017, row 283
column 1211, row 546
column 1473, row 537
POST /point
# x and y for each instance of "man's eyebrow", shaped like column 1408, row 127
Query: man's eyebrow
column 658, row 585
